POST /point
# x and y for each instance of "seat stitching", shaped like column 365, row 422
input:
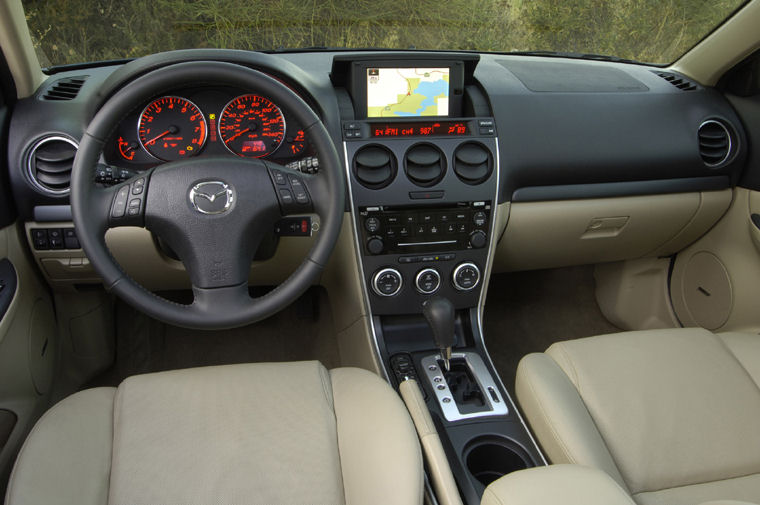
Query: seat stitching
column 548, row 421
column 337, row 434
column 741, row 365
column 575, row 379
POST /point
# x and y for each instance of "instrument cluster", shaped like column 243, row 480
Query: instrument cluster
column 206, row 121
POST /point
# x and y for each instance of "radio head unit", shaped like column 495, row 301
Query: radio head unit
column 407, row 230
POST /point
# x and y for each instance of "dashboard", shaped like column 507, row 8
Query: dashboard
column 555, row 144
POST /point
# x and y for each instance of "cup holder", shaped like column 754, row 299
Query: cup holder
column 490, row 457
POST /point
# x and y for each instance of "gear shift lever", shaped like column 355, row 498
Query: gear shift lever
column 439, row 314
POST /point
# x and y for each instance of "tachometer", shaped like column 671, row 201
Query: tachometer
column 251, row 126
column 172, row 128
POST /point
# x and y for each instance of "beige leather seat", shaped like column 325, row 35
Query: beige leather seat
column 240, row 434
column 672, row 415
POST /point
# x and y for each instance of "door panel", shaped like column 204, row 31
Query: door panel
column 28, row 348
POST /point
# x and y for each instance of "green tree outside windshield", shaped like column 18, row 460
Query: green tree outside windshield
column 655, row 31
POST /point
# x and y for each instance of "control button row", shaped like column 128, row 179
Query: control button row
column 427, row 258
column 44, row 239
column 389, row 281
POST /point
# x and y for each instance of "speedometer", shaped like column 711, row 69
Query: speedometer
column 171, row 128
column 251, row 126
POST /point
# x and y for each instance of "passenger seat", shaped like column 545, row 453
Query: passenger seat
column 672, row 416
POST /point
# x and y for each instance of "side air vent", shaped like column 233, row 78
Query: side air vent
column 473, row 163
column 374, row 166
column 678, row 81
column 425, row 164
column 714, row 142
column 49, row 164
column 65, row 89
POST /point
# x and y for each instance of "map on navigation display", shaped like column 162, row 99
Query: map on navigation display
column 404, row 92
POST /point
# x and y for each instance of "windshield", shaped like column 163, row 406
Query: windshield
column 653, row 31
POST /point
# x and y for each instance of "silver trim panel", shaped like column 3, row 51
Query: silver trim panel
column 482, row 376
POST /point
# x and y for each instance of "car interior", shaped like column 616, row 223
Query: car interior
column 335, row 275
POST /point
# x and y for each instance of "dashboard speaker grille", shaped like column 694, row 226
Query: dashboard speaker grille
column 49, row 164
column 425, row 164
column 473, row 163
column 65, row 89
column 374, row 166
column 714, row 142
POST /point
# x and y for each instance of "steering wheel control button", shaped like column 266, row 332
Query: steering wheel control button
column 286, row 197
column 375, row 245
column 478, row 239
column 279, row 178
column 466, row 276
column 387, row 282
column 427, row 281
column 120, row 202
column 138, row 186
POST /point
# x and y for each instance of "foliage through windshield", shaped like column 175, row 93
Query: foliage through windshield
column 653, row 31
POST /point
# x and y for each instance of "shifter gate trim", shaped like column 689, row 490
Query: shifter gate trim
column 495, row 406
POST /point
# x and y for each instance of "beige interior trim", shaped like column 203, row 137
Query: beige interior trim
column 136, row 252
column 555, row 485
column 18, row 48
column 438, row 464
column 555, row 234
column 726, row 264
column 634, row 295
column 344, row 283
column 725, row 47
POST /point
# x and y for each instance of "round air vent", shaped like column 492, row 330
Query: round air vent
column 374, row 166
column 473, row 163
column 49, row 164
column 714, row 142
column 425, row 164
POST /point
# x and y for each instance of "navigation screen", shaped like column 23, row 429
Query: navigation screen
column 407, row 92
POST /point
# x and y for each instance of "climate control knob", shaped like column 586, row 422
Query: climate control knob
column 387, row 282
column 427, row 281
column 466, row 276
column 478, row 239
column 375, row 245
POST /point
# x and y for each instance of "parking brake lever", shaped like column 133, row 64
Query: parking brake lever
column 439, row 314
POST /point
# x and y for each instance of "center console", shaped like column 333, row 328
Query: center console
column 424, row 199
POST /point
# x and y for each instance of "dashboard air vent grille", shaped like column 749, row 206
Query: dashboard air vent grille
column 473, row 163
column 49, row 164
column 714, row 142
column 65, row 89
column 678, row 81
column 374, row 166
column 425, row 164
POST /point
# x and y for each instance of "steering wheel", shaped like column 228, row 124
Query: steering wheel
column 212, row 211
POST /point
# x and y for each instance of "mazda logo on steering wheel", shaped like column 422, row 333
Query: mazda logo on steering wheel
column 211, row 197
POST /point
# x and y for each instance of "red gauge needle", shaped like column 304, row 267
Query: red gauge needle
column 237, row 135
column 172, row 129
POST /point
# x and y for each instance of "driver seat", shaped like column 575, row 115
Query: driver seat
column 236, row 434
